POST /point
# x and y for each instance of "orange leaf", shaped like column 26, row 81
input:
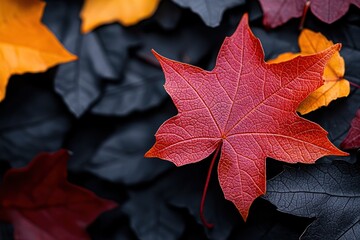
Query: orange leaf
column 26, row 45
column 335, row 85
column 126, row 12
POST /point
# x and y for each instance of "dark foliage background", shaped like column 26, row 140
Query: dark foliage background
column 106, row 107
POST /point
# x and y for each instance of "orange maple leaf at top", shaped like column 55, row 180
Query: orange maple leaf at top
column 247, row 108
column 335, row 85
column 127, row 12
column 26, row 45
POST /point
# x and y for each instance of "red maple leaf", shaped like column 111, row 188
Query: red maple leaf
column 247, row 108
column 277, row 12
column 43, row 205
column 352, row 140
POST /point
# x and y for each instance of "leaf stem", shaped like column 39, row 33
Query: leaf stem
column 306, row 8
column 354, row 85
column 202, row 217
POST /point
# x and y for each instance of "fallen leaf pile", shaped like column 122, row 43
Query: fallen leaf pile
column 220, row 118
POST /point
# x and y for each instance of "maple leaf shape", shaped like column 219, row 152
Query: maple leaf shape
column 247, row 108
column 41, row 204
column 26, row 45
column 335, row 85
column 129, row 12
column 278, row 12
column 352, row 140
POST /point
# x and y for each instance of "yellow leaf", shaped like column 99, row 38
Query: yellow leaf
column 335, row 86
column 126, row 12
column 26, row 45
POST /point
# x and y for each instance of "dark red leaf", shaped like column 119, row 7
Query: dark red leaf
column 352, row 140
column 43, row 205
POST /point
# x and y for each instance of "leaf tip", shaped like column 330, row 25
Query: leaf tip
column 338, row 46
column 245, row 17
column 244, row 214
column 343, row 154
column 84, row 28
column 157, row 55
column 63, row 152
column 334, row 48
column 337, row 152
column 244, row 22
column 149, row 154
column 73, row 57
column 110, row 205
column 59, row 156
column 330, row 51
